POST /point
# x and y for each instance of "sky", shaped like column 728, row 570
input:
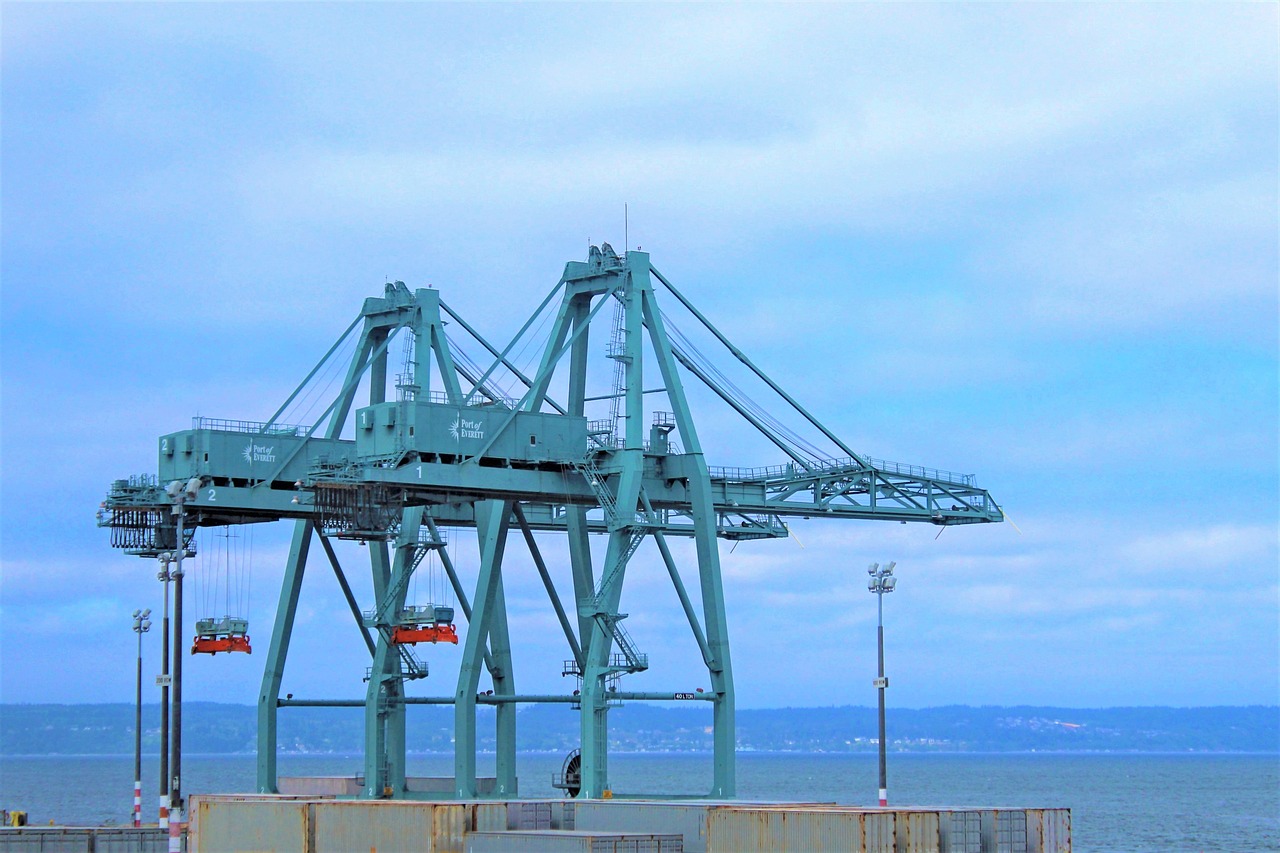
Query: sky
column 1036, row 243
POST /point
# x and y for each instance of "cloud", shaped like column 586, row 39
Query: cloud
column 1216, row 548
column 1039, row 242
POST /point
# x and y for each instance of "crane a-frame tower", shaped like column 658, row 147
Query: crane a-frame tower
column 463, row 453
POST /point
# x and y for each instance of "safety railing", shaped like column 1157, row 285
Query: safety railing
column 918, row 471
column 836, row 466
column 258, row 427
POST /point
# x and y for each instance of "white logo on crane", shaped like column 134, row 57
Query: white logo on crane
column 462, row 428
column 258, row 453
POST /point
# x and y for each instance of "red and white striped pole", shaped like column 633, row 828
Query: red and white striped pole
column 137, row 802
column 164, row 812
column 175, row 830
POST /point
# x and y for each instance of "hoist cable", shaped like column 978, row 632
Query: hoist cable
column 355, row 322
column 518, row 374
column 686, row 347
column 742, row 357
column 472, row 372
column 318, row 389
column 534, row 336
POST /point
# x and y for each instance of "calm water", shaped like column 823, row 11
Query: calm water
column 1119, row 802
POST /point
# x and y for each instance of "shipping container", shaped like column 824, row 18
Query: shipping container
column 327, row 825
column 489, row 817
column 127, row 839
column 320, row 786
column 917, row 831
column 45, row 840
column 243, row 823
column 90, row 839
column 687, row 819
column 572, row 841
column 382, row 826
column 1049, row 830
column 739, row 830
column 960, row 831
column 530, row 814
column 444, row 786
column 1004, row 831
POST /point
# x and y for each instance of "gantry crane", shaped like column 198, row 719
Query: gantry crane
column 464, row 453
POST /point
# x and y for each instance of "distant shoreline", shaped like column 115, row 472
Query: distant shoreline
column 1131, row 753
column 645, row 729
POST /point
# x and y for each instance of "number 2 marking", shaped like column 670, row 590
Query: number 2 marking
column 213, row 493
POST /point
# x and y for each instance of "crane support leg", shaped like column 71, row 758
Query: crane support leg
column 493, row 540
column 269, row 695
column 704, row 522
column 595, row 698
column 723, row 763
column 503, row 685
column 576, row 516
column 501, row 674
column 384, row 710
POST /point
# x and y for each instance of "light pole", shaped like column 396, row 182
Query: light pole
column 164, row 680
column 880, row 582
column 179, row 493
column 141, row 625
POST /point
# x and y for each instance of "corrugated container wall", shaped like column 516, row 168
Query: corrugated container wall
column 34, row 840
column 917, row 831
column 571, row 841
column 345, row 825
column 738, row 830
column 233, row 825
column 1004, row 831
column 1049, row 830
column 960, row 832
column 130, row 840
column 690, row 820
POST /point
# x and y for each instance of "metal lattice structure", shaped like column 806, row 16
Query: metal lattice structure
column 468, row 455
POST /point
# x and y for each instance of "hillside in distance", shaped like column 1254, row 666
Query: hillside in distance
column 214, row 728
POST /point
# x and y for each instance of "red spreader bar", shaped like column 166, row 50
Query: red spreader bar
column 213, row 645
column 409, row 634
